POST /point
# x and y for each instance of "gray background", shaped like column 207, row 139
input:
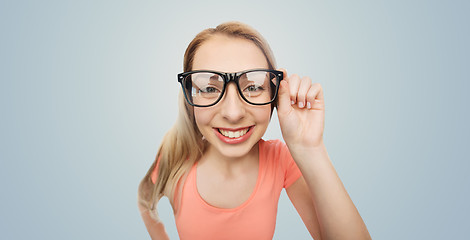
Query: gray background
column 88, row 89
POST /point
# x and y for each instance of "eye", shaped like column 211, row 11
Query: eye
column 254, row 88
column 209, row 89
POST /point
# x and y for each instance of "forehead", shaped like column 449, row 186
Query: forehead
column 228, row 54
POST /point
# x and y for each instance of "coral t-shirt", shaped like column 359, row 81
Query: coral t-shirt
column 255, row 218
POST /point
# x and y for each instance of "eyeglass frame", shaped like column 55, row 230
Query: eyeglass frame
column 229, row 77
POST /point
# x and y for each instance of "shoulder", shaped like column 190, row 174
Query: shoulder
column 273, row 146
column 278, row 158
column 274, row 150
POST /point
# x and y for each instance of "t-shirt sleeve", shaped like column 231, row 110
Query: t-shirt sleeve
column 155, row 171
column 292, row 171
column 154, row 176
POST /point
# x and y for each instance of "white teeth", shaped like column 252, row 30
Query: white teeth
column 234, row 134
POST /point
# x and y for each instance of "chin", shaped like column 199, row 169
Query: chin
column 235, row 150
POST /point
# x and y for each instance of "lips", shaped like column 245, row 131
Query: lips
column 234, row 136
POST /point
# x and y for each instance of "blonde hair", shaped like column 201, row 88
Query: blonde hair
column 182, row 146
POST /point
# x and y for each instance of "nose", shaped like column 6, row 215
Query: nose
column 232, row 106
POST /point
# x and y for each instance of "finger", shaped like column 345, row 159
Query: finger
column 284, row 104
column 284, row 71
column 294, row 84
column 315, row 97
column 305, row 83
column 284, row 78
column 320, row 93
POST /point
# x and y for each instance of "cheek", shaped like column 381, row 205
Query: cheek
column 263, row 114
column 202, row 117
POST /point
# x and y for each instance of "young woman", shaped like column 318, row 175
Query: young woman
column 222, row 179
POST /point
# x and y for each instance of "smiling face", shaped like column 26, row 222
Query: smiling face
column 232, row 127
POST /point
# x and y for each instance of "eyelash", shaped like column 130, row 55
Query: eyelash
column 258, row 88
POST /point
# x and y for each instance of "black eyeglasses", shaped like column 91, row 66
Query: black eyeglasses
column 205, row 88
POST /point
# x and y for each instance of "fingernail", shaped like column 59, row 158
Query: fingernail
column 301, row 104
column 317, row 101
column 309, row 105
column 292, row 102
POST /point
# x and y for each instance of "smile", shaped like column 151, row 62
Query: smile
column 234, row 136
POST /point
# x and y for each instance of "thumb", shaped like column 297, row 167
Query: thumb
column 284, row 102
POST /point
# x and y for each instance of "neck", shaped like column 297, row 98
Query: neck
column 228, row 164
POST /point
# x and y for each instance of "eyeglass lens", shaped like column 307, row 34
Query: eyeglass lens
column 204, row 88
